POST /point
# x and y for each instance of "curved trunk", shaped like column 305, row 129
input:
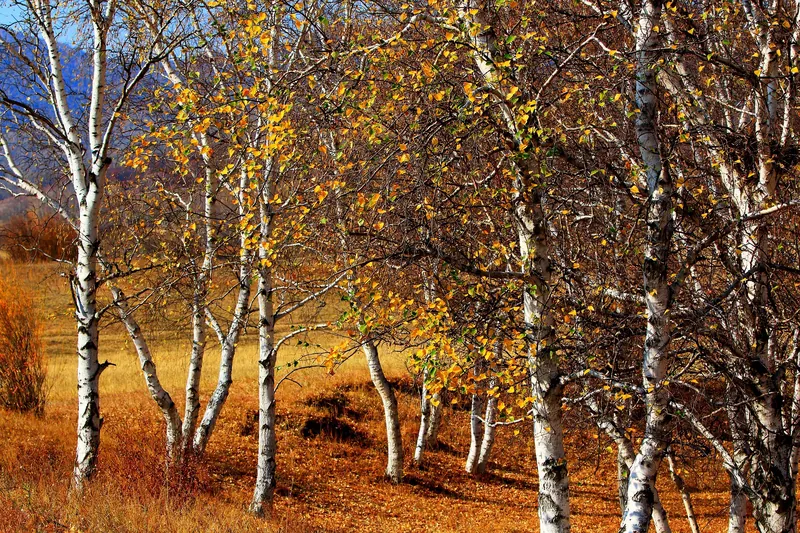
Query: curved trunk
column 394, row 466
column 148, row 366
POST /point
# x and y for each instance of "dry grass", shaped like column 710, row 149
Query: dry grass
column 327, row 482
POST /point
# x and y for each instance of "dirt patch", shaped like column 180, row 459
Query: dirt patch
column 401, row 385
column 331, row 428
column 334, row 402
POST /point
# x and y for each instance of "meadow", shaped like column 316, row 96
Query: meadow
column 329, row 480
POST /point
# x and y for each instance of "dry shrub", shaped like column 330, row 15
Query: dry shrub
column 22, row 368
column 37, row 237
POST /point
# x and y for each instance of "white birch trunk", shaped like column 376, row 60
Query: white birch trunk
column 394, row 465
column 199, row 330
column 643, row 472
column 686, row 497
column 475, row 432
column 192, row 407
column 625, row 459
column 430, row 408
column 266, row 479
column 238, row 321
column 425, row 407
column 148, row 366
column 84, row 287
column 532, row 232
column 548, row 432
column 430, row 421
column 489, row 431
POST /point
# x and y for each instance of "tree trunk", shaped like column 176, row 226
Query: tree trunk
column 657, row 293
column 489, row 430
column 475, row 431
column 192, row 408
column 430, row 420
column 84, row 286
column 148, row 366
column 685, row 495
column 737, row 510
column 622, row 479
column 238, row 321
column 267, row 442
column 394, row 466
column 425, row 407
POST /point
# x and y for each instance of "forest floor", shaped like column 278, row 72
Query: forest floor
column 331, row 481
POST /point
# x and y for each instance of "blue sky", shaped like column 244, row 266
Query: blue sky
column 8, row 13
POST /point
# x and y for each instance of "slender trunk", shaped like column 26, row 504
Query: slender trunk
column 489, row 430
column 238, row 321
column 84, row 286
column 643, row 473
column 737, row 511
column 625, row 459
column 437, row 407
column 394, row 466
column 430, row 407
column 267, row 356
column 685, row 495
column 148, row 366
column 192, row 408
column 424, row 421
column 430, row 420
column 622, row 479
column 476, row 431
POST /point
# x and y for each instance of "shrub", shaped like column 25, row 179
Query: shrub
column 37, row 237
column 22, row 369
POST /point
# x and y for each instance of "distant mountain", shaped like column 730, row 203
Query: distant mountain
column 19, row 83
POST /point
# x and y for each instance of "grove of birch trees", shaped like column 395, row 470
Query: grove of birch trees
column 573, row 213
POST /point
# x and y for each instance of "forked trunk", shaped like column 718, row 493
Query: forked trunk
column 238, row 321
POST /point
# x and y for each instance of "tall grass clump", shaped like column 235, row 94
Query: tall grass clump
column 22, row 367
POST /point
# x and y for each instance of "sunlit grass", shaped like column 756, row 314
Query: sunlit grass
column 324, row 485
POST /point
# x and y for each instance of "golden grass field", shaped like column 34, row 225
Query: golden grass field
column 324, row 484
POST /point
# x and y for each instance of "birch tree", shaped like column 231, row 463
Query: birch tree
column 80, row 130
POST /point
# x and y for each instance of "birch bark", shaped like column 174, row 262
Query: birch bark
column 657, row 293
